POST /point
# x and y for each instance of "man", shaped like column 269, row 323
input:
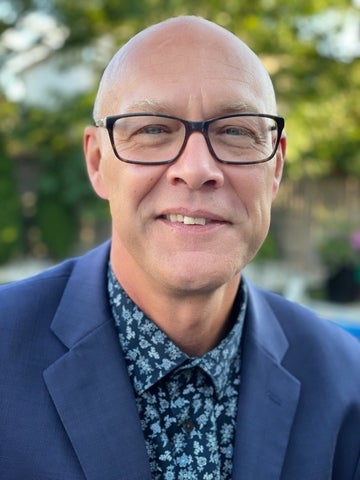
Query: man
column 152, row 357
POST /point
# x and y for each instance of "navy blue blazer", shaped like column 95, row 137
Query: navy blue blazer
column 67, row 408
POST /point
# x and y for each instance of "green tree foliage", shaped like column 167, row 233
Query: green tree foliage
column 317, row 93
column 10, row 218
column 62, row 189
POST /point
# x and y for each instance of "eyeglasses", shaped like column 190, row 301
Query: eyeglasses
column 154, row 139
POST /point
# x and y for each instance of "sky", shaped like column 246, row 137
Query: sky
column 32, row 41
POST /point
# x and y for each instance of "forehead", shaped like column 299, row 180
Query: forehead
column 181, row 67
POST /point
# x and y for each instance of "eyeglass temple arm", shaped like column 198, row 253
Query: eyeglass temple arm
column 101, row 122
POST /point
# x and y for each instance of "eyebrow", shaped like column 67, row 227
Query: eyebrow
column 151, row 106
column 235, row 107
column 154, row 106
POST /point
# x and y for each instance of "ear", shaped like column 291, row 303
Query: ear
column 93, row 157
column 279, row 166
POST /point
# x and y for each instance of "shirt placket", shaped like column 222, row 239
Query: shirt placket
column 194, row 436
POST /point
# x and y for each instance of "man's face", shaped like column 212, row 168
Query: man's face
column 156, row 240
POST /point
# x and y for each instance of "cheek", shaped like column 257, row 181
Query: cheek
column 268, row 180
column 254, row 185
column 130, row 185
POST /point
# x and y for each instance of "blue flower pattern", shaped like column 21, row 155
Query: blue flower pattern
column 187, row 405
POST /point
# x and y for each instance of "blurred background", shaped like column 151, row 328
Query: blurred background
column 52, row 53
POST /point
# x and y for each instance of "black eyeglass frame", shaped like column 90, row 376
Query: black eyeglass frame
column 191, row 127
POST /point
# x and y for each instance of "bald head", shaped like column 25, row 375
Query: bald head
column 176, row 47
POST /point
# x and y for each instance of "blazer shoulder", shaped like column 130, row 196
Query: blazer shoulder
column 46, row 288
column 33, row 298
column 29, row 307
column 313, row 337
column 299, row 319
column 39, row 285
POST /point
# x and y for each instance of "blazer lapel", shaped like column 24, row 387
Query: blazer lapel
column 90, row 386
column 268, row 399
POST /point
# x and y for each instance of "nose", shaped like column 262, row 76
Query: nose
column 196, row 167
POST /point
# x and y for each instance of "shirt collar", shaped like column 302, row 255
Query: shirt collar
column 151, row 355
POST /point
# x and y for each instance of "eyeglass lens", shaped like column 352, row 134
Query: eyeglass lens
column 154, row 139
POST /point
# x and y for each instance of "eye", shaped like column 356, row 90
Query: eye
column 236, row 131
column 153, row 130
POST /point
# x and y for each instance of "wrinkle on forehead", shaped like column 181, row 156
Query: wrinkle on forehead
column 153, row 106
column 190, row 40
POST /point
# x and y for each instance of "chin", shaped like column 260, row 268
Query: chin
column 196, row 272
column 197, row 282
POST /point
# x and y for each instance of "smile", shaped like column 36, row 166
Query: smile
column 178, row 218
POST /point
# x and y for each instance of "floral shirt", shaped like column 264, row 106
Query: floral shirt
column 187, row 406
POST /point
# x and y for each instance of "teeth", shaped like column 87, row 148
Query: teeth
column 186, row 220
column 194, row 221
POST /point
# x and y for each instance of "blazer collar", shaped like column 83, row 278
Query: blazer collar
column 89, row 385
column 269, row 398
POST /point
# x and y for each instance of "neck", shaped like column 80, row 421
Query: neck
column 195, row 322
column 197, row 325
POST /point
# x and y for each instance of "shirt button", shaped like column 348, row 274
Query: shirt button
column 188, row 425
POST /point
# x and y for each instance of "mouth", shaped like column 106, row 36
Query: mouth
column 186, row 220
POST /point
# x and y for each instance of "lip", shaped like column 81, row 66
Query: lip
column 211, row 218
